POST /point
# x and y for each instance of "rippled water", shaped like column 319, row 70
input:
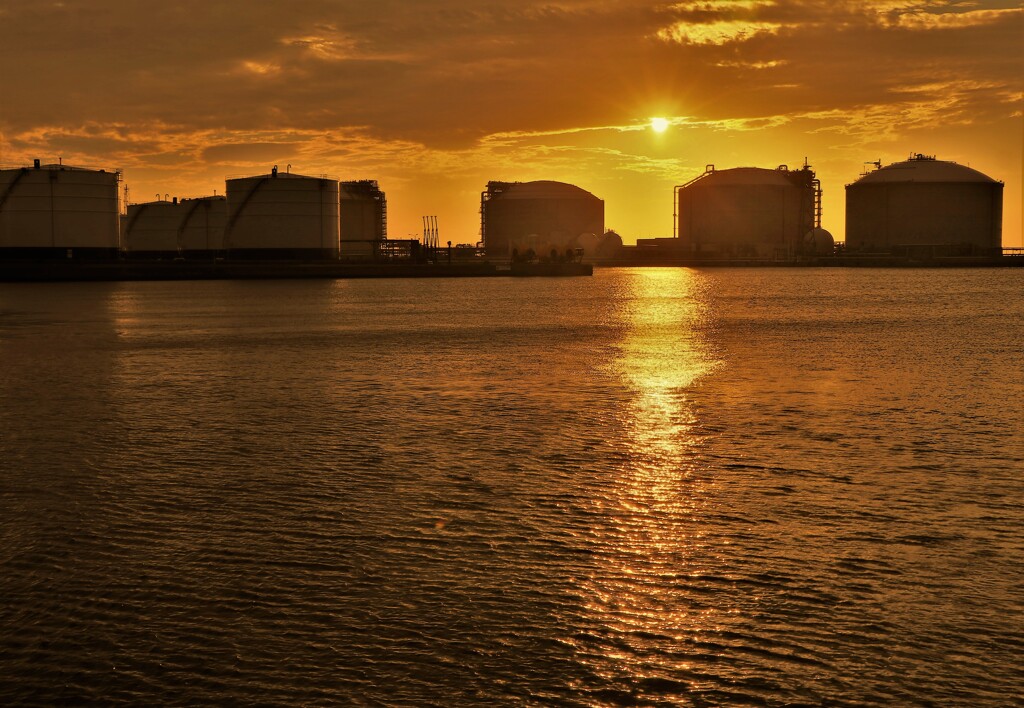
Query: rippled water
column 653, row 487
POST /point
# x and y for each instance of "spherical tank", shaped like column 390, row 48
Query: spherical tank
column 554, row 214
column 282, row 216
column 589, row 243
column 746, row 212
column 190, row 228
column 611, row 245
column 819, row 242
column 58, row 211
column 926, row 206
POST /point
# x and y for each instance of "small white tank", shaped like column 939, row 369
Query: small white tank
column 282, row 216
column 201, row 231
column 190, row 228
column 58, row 211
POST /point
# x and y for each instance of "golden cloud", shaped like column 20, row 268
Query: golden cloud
column 951, row 20
column 720, row 32
column 260, row 68
column 325, row 48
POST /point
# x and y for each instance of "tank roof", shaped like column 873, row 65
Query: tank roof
column 539, row 189
column 744, row 175
column 58, row 167
column 922, row 168
column 277, row 175
column 361, row 188
column 181, row 200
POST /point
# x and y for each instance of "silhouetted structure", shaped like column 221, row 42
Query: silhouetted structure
column 364, row 219
column 924, row 207
column 541, row 216
column 747, row 212
column 598, row 248
column 189, row 228
column 282, row 216
column 819, row 243
column 59, row 211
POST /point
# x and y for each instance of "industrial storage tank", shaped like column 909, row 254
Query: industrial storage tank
column 542, row 216
column 364, row 218
column 596, row 249
column 924, row 206
column 59, row 211
column 189, row 228
column 819, row 242
column 282, row 216
column 748, row 212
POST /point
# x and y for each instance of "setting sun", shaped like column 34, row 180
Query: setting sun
column 659, row 125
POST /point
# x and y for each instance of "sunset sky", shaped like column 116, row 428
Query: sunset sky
column 433, row 98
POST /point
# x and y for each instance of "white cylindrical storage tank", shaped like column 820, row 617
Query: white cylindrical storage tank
column 190, row 228
column 925, row 207
column 59, row 211
column 363, row 214
column 150, row 230
column 282, row 216
column 201, row 231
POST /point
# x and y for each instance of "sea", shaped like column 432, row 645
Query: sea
column 650, row 487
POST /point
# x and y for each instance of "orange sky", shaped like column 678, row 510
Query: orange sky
column 433, row 98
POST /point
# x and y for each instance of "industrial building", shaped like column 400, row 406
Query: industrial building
column 189, row 228
column 541, row 216
column 363, row 211
column 924, row 207
column 282, row 216
column 747, row 212
column 59, row 211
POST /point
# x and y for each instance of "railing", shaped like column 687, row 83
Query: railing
column 708, row 169
column 284, row 174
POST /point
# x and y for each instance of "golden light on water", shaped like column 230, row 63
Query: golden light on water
column 659, row 498
column 664, row 353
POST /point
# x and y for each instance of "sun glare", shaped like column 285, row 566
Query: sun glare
column 659, row 125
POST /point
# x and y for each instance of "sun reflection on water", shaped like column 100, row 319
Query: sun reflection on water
column 654, row 540
column 664, row 353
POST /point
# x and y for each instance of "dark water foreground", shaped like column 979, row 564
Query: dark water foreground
column 650, row 487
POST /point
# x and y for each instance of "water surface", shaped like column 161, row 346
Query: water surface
column 652, row 487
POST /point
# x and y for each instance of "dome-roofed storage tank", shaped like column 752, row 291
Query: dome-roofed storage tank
column 748, row 212
column 282, row 216
column 543, row 216
column 189, row 228
column 364, row 218
column 924, row 206
column 59, row 211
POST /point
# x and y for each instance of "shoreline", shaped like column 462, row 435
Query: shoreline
column 15, row 271
column 70, row 271
column 821, row 262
